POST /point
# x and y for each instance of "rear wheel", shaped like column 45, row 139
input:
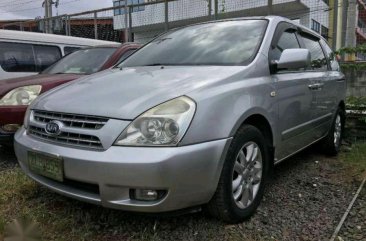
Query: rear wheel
column 243, row 177
column 331, row 144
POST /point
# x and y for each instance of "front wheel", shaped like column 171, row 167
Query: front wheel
column 243, row 177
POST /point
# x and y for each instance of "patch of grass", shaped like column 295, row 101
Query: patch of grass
column 355, row 157
column 64, row 219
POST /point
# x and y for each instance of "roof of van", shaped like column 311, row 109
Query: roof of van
column 50, row 38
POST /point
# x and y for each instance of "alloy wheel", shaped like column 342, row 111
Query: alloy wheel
column 247, row 174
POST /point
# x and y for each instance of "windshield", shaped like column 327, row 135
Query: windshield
column 220, row 43
column 85, row 61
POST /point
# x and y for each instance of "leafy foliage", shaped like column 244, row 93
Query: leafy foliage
column 353, row 66
column 356, row 103
column 357, row 107
column 352, row 50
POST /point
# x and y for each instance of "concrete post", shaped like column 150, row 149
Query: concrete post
column 352, row 16
column 270, row 7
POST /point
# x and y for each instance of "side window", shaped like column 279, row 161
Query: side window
column 330, row 56
column 288, row 40
column 17, row 57
column 318, row 60
column 46, row 56
column 126, row 54
column 69, row 50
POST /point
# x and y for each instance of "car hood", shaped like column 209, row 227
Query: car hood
column 127, row 93
column 46, row 80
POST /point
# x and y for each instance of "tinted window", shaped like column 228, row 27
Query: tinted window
column 17, row 57
column 222, row 43
column 288, row 40
column 318, row 60
column 46, row 56
column 69, row 50
column 85, row 61
column 331, row 56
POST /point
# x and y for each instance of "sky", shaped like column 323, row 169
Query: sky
column 30, row 9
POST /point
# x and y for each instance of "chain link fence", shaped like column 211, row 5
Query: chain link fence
column 341, row 22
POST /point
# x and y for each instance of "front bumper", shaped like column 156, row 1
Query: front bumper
column 189, row 173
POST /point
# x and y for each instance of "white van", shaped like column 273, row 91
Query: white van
column 26, row 53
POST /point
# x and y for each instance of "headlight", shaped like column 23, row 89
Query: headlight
column 22, row 95
column 163, row 125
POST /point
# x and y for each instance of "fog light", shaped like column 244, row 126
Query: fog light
column 10, row 128
column 146, row 194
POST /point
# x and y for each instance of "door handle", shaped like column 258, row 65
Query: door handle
column 316, row 86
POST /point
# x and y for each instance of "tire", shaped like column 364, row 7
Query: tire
column 227, row 203
column 331, row 143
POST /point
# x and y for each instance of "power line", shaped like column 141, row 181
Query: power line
column 18, row 3
column 27, row 9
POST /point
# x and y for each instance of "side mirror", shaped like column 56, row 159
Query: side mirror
column 294, row 59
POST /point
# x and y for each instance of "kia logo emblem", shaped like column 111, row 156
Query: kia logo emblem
column 53, row 128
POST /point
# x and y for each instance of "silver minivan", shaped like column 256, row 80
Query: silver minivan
column 198, row 117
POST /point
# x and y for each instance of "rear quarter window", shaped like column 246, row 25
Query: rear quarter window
column 334, row 65
column 318, row 59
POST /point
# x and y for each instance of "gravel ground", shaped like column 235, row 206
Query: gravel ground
column 354, row 228
column 305, row 201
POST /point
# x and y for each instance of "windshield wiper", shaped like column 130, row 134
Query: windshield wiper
column 160, row 64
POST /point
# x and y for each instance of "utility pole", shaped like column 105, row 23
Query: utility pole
column 47, row 4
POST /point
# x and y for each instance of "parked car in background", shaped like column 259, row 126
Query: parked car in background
column 17, row 94
column 24, row 53
column 198, row 116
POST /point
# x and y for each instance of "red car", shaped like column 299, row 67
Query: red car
column 16, row 94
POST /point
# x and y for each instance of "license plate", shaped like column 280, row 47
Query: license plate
column 46, row 165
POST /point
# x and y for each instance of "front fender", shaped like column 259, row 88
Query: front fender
column 222, row 109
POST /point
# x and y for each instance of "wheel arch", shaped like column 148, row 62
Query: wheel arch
column 263, row 125
column 261, row 120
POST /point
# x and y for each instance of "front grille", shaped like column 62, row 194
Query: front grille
column 76, row 122
column 67, row 138
column 70, row 120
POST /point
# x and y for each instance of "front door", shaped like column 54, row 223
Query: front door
column 296, row 101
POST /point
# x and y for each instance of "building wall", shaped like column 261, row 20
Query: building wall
column 190, row 9
column 356, row 82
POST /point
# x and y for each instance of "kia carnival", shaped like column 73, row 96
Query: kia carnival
column 197, row 117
